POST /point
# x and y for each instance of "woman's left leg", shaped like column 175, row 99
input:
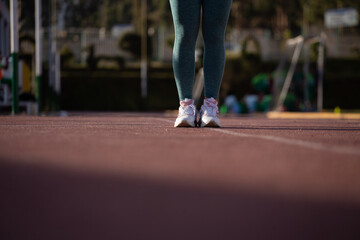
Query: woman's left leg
column 215, row 15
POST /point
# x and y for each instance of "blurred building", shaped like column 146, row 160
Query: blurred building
column 339, row 44
column 106, row 43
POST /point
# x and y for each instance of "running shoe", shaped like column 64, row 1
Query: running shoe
column 187, row 114
column 209, row 113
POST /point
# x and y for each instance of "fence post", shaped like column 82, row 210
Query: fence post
column 14, row 55
column 38, row 52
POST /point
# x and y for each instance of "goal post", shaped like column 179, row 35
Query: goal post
column 299, row 44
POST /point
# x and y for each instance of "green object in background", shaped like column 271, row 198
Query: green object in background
column 6, row 81
column 290, row 102
column 337, row 110
column 260, row 82
column 243, row 107
column 311, row 86
column 264, row 105
column 223, row 109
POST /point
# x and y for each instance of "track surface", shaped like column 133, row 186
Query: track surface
column 134, row 176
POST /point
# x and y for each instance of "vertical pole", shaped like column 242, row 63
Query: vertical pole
column 144, row 57
column 2, row 44
column 83, row 45
column 14, row 55
column 337, row 42
column 290, row 73
column 136, row 11
column 38, row 61
column 278, row 77
column 320, row 63
column 52, row 56
column 57, row 86
column 306, row 73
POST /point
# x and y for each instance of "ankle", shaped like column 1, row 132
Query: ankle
column 210, row 102
column 186, row 102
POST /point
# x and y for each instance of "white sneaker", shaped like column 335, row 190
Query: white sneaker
column 209, row 114
column 187, row 114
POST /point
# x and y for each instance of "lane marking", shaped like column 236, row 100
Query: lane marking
column 288, row 141
column 312, row 115
column 302, row 143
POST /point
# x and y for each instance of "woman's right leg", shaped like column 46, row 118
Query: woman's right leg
column 186, row 17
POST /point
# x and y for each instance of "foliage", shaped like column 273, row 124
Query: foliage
column 277, row 15
column 245, row 45
column 260, row 82
column 283, row 16
column 110, row 62
column 66, row 56
column 131, row 42
column 91, row 60
column 170, row 41
column 159, row 12
column 26, row 38
column 245, row 13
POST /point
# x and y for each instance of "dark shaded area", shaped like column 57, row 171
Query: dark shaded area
column 342, row 92
column 119, row 90
column 114, row 90
column 110, row 90
column 45, row 203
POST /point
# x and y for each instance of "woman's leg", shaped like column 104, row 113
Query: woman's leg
column 214, row 21
column 186, row 17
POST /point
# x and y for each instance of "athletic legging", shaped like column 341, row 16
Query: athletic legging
column 186, row 17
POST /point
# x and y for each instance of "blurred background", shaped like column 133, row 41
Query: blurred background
column 115, row 55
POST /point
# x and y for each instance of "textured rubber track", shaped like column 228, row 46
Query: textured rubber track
column 135, row 176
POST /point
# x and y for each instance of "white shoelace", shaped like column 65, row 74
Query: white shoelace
column 188, row 110
column 210, row 108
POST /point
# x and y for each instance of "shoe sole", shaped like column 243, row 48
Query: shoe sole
column 212, row 124
column 185, row 124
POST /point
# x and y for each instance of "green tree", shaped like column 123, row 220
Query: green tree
column 277, row 15
column 282, row 15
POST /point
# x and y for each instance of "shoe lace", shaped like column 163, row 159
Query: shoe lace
column 210, row 108
column 187, row 110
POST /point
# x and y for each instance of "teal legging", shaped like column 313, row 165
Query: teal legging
column 186, row 16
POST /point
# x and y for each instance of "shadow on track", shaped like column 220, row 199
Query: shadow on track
column 46, row 203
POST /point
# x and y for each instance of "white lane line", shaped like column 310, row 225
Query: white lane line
column 294, row 142
column 301, row 143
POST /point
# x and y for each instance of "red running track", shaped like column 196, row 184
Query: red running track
column 134, row 176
